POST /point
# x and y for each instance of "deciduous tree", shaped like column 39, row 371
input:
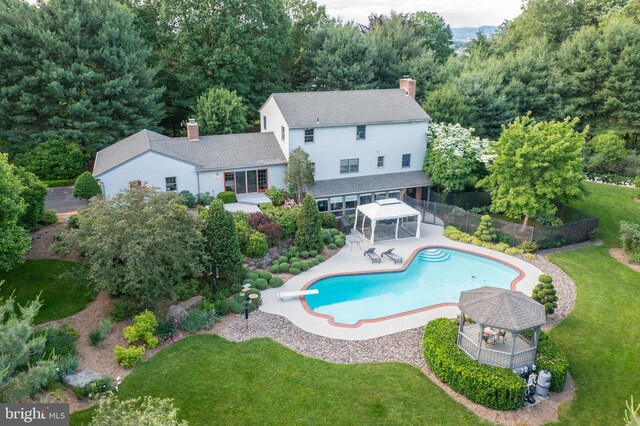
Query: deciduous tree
column 14, row 240
column 141, row 243
column 537, row 164
column 299, row 171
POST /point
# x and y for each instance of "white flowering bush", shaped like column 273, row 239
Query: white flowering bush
column 454, row 156
column 145, row 411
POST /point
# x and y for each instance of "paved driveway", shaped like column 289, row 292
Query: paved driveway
column 62, row 200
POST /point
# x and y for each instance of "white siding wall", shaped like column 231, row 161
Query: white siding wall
column 151, row 168
column 275, row 122
column 391, row 140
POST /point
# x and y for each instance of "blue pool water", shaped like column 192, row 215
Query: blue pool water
column 436, row 275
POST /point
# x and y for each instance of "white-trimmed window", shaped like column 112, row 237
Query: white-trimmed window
column 380, row 161
column 366, row 198
column 264, row 122
column 308, row 136
column 361, row 132
column 406, row 160
column 350, row 203
column 171, row 184
column 349, row 165
column 336, row 204
column 394, row 194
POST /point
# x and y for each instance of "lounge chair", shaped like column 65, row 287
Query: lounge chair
column 391, row 255
column 373, row 255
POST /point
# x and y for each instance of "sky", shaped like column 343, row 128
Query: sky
column 457, row 13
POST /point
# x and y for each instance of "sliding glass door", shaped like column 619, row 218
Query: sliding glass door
column 246, row 181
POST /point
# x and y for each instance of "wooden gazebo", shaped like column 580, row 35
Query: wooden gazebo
column 506, row 327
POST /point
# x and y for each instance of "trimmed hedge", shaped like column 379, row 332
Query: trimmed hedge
column 551, row 358
column 493, row 387
column 227, row 197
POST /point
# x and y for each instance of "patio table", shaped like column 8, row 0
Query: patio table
column 354, row 239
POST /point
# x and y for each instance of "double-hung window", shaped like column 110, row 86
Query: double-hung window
column 171, row 183
column 350, row 165
column 380, row 161
column 406, row 160
column 308, row 136
column 361, row 132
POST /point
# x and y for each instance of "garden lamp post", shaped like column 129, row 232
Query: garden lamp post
column 214, row 278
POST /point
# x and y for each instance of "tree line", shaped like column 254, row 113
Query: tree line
column 93, row 72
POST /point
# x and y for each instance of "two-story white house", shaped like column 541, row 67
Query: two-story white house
column 365, row 144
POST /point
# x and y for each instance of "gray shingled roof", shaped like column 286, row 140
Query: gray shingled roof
column 372, row 183
column 500, row 308
column 348, row 107
column 210, row 152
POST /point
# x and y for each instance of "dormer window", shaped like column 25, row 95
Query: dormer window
column 361, row 132
column 308, row 136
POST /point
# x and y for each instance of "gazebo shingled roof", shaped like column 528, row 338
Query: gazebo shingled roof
column 505, row 309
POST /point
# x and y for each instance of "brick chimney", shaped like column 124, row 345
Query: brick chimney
column 409, row 85
column 193, row 134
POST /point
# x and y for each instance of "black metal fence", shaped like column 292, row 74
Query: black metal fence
column 508, row 232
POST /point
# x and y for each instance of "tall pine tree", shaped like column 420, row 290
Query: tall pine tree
column 76, row 69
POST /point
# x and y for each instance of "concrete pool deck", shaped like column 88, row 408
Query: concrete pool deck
column 351, row 259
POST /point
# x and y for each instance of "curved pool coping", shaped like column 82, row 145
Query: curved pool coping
column 406, row 264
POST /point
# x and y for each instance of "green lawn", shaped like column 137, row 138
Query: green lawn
column 62, row 293
column 601, row 336
column 612, row 204
column 260, row 382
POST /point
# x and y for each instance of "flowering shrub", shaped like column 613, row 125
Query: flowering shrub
column 277, row 196
column 142, row 329
column 455, row 156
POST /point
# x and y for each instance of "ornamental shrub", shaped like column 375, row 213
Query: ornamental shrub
column 122, row 310
column 287, row 218
column 545, row 294
column 262, row 223
column 187, row 198
column 199, row 319
column 294, row 259
column 493, row 387
column 257, row 246
column 328, row 220
column 275, row 268
column 284, row 268
column 296, row 264
column 54, row 160
column 222, row 244
column 326, row 236
column 320, row 258
column 551, row 358
column 265, row 275
column 276, row 282
column 332, row 246
column 165, row 331
column 304, row 254
column 128, row 357
column 340, row 242
column 314, row 262
column 261, row 284
column 275, row 195
column 637, row 184
column 86, row 186
column 486, row 231
column 283, row 259
column 49, row 217
column 142, row 329
column 294, row 271
column 221, row 306
column 313, row 253
column 238, row 301
column 139, row 411
column 252, row 276
column 630, row 237
column 305, row 265
column 33, row 193
column 205, row 199
column 227, row 197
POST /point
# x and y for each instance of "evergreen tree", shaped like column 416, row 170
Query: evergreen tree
column 220, row 111
column 14, row 240
column 77, row 69
column 299, row 171
column 86, row 186
column 19, row 377
column 222, row 242
column 33, row 194
column 309, row 226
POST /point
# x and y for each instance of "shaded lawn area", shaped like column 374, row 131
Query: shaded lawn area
column 63, row 294
column 260, row 382
column 612, row 204
column 601, row 336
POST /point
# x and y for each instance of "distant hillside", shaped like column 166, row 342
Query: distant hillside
column 466, row 34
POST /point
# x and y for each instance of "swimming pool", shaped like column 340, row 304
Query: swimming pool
column 435, row 276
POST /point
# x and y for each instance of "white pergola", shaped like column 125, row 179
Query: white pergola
column 388, row 209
